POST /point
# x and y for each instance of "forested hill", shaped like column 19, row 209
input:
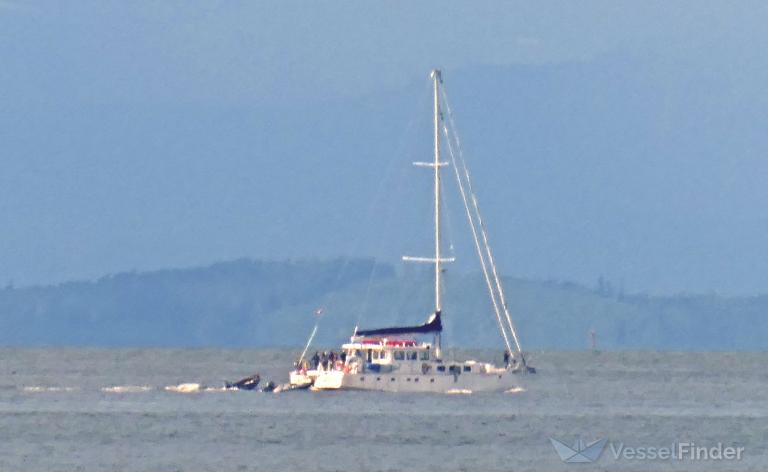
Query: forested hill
column 248, row 303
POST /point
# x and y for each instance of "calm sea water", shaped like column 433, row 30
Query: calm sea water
column 109, row 409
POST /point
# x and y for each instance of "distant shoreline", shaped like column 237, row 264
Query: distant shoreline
column 255, row 303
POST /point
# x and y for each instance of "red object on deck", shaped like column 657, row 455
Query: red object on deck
column 390, row 342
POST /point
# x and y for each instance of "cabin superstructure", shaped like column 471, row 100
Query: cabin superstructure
column 399, row 364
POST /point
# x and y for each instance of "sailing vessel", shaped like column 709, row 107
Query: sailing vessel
column 391, row 359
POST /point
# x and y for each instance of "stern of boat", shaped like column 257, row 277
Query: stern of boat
column 302, row 378
column 329, row 380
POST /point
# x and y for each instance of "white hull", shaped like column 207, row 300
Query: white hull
column 438, row 383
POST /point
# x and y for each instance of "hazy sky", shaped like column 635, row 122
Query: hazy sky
column 622, row 139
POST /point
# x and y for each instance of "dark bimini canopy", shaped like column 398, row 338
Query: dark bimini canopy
column 433, row 325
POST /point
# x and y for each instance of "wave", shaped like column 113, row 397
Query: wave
column 219, row 389
column 184, row 388
column 458, row 391
column 127, row 389
column 42, row 389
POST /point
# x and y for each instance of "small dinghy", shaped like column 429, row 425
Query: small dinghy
column 248, row 383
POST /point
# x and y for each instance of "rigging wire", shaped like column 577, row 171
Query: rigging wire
column 483, row 229
column 342, row 271
column 448, row 228
column 318, row 313
column 390, row 210
column 448, row 225
column 472, row 226
column 387, row 222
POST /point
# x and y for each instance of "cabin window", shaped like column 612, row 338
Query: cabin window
column 441, row 368
column 416, row 379
column 467, row 368
column 359, row 353
column 424, row 355
column 378, row 379
column 392, row 379
column 369, row 355
column 375, row 355
column 432, row 380
column 399, row 355
column 362, row 379
column 411, row 355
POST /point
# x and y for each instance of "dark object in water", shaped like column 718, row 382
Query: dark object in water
column 248, row 383
column 288, row 387
column 269, row 387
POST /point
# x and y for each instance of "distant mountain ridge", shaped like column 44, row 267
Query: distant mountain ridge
column 250, row 303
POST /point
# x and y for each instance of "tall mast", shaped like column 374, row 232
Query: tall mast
column 436, row 78
column 436, row 164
